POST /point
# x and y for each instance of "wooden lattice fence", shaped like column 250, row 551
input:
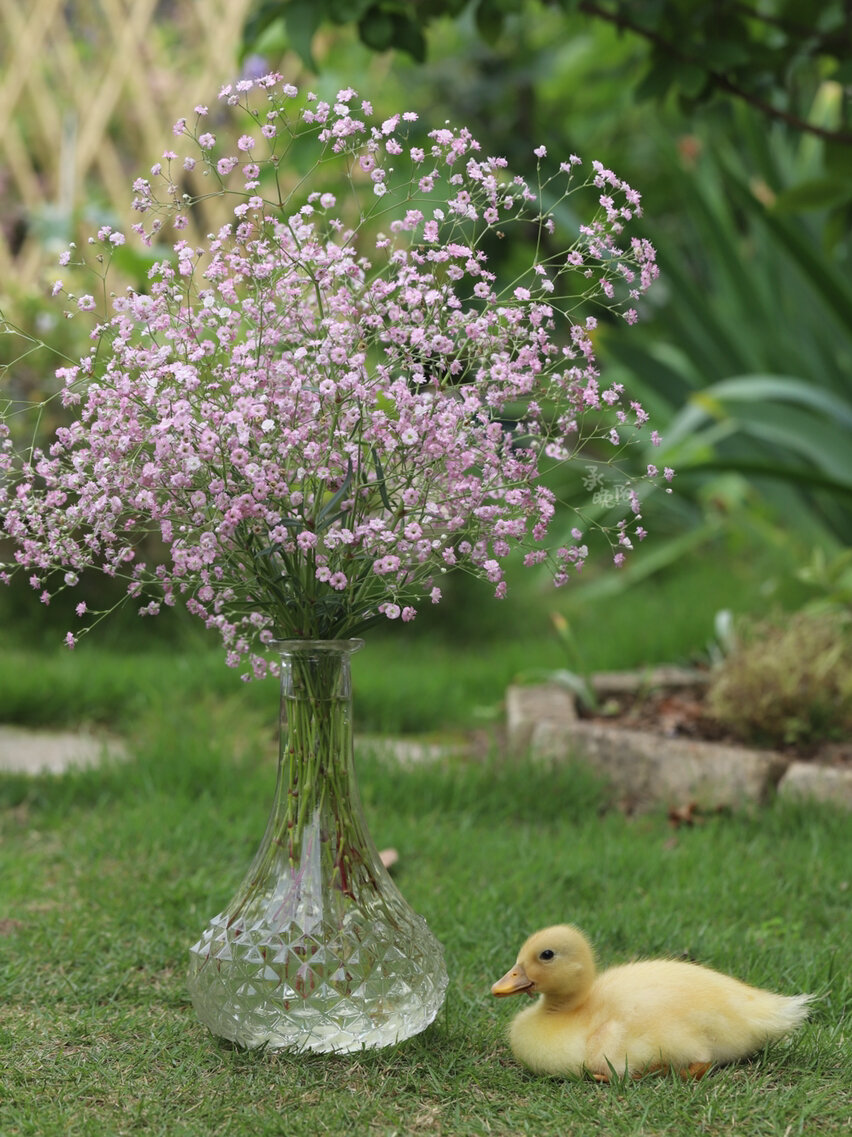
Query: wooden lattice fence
column 89, row 90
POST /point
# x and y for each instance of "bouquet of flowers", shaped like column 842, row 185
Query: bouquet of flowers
column 331, row 399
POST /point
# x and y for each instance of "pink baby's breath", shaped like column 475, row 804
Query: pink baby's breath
column 317, row 429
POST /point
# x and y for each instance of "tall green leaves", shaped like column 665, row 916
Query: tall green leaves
column 755, row 375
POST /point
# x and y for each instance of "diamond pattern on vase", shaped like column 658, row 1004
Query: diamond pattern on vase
column 255, row 987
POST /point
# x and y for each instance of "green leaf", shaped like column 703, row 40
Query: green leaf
column 302, row 18
column 261, row 17
column 837, row 156
column 825, row 278
column 835, row 229
column 779, row 471
column 791, row 421
column 691, row 79
column 807, row 448
column 781, row 389
column 348, row 11
column 489, row 20
column 408, row 37
column 376, row 29
column 324, row 517
column 658, row 79
column 816, row 193
column 380, row 480
column 843, row 72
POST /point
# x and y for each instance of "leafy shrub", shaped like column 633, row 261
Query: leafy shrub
column 787, row 683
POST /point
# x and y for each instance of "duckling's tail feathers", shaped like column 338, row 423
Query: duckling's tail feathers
column 787, row 1013
column 798, row 1008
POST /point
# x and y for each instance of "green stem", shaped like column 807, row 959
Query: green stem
column 315, row 821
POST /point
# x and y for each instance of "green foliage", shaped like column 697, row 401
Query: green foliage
column 771, row 56
column 382, row 24
column 789, row 683
column 829, row 579
column 748, row 359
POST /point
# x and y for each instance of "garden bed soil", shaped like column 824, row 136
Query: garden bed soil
column 682, row 712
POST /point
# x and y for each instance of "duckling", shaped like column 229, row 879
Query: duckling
column 652, row 1015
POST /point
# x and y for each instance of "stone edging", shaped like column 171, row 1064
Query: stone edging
column 649, row 769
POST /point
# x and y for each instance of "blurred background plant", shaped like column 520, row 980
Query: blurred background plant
column 787, row 684
column 732, row 120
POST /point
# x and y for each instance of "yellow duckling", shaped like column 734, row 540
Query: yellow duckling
column 655, row 1014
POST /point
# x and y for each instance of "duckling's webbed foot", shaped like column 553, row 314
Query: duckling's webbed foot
column 695, row 1070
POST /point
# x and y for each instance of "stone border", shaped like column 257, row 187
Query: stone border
column 647, row 769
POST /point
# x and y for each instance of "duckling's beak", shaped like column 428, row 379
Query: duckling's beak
column 513, row 982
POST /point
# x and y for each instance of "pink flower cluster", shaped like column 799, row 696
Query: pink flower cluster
column 322, row 408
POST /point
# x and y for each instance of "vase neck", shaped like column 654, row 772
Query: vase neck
column 316, row 670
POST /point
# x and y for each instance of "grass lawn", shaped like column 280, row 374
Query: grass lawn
column 108, row 876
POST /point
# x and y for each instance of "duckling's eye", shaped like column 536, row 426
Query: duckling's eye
column 546, row 954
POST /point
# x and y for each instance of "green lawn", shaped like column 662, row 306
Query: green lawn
column 108, row 876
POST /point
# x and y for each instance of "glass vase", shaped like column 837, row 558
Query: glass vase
column 318, row 950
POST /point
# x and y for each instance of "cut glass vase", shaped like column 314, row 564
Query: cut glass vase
column 318, row 950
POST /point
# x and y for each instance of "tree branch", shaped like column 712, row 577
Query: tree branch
column 716, row 77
